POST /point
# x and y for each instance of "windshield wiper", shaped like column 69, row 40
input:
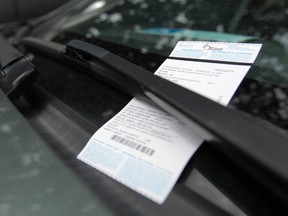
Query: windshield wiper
column 260, row 150
column 17, row 73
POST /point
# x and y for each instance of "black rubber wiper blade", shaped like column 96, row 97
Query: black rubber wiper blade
column 260, row 150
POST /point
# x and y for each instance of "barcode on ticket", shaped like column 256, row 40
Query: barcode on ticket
column 133, row 145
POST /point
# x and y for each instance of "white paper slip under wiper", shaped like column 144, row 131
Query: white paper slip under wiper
column 146, row 148
column 217, row 51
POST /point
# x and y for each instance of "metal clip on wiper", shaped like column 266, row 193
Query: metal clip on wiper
column 256, row 148
column 17, row 73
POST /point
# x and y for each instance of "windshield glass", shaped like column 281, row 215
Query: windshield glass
column 145, row 32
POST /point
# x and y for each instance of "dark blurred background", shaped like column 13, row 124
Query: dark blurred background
column 17, row 10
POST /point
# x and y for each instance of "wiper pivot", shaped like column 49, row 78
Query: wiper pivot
column 17, row 73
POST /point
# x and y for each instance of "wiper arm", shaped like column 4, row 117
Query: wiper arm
column 258, row 149
column 17, row 72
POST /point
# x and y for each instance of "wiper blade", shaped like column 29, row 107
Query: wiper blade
column 260, row 150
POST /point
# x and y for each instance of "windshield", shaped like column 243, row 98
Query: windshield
column 145, row 32
column 68, row 104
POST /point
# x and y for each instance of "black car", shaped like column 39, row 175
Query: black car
column 48, row 121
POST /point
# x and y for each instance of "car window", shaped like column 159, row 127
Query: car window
column 67, row 106
column 145, row 32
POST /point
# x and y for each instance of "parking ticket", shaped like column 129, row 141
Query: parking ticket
column 217, row 51
column 147, row 149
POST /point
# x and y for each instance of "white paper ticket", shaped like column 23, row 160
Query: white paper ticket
column 146, row 148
